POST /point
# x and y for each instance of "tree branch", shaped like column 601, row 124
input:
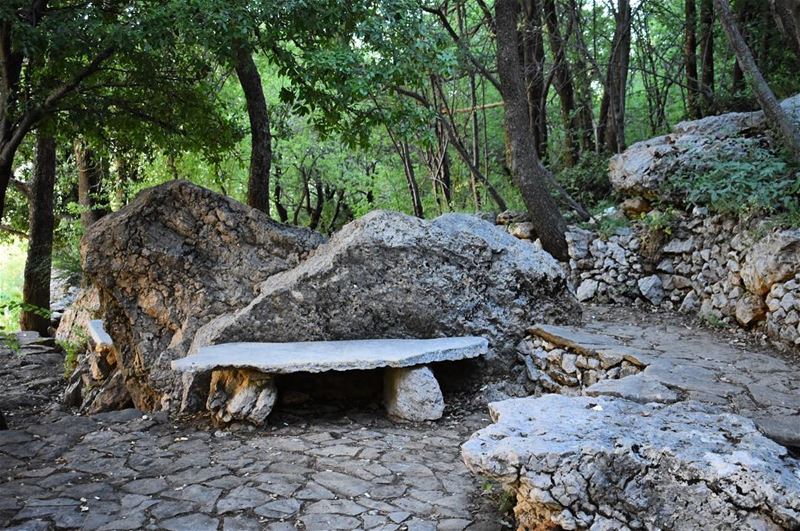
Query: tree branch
column 15, row 232
column 23, row 188
column 463, row 47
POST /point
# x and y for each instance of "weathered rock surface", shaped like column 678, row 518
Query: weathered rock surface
column 412, row 394
column 75, row 321
column 774, row 259
column 645, row 358
column 607, row 463
column 691, row 147
column 176, row 257
column 241, row 395
column 389, row 275
column 321, row 356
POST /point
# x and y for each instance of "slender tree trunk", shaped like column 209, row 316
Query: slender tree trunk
column 38, row 265
column 707, row 55
column 563, row 85
column 611, row 128
column 690, row 59
column 776, row 117
column 527, row 169
column 283, row 214
column 476, row 140
column 6, row 172
column 532, row 61
column 411, row 179
column 89, row 183
column 787, row 17
column 475, row 133
column 261, row 137
column 319, row 203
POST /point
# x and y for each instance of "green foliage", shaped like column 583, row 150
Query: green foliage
column 714, row 321
column 12, row 265
column 754, row 183
column 72, row 351
column 587, row 181
column 607, row 226
column 662, row 221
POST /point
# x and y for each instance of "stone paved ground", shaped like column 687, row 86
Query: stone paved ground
column 319, row 469
column 727, row 368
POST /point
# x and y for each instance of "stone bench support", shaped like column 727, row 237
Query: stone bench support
column 242, row 385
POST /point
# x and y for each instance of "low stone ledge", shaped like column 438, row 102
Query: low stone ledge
column 608, row 463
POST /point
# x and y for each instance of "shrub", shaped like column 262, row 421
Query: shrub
column 587, row 182
column 758, row 182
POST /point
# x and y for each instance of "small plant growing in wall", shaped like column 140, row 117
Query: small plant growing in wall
column 72, row 351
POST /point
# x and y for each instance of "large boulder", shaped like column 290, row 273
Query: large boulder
column 607, row 463
column 389, row 275
column 692, row 147
column 176, row 257
column 773, row 259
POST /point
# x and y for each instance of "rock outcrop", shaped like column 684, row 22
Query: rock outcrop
column 608, row 463
column 176, row 257
column 389, row 275
column 691, row 148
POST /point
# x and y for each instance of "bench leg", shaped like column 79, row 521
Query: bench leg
column 412, row 393
column 238, row 394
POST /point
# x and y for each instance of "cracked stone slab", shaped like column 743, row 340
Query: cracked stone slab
column 322, row 356
column 581, row 462
column 637, row 388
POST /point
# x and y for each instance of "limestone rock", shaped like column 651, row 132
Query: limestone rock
column 323, row 356
column 586, row 290
column 523, row 231
column 693, row 147
column 774, row 259
column 412, row 394
column 633, row 207
column 75, row 321
column 389, row 275
column 608, row 463
column 750, row 309
column 240, row 394
column 512, row 216
column 651, row 289
column 176, row 257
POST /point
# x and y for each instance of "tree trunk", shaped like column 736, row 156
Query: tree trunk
column 36, row 287
column 533, row 74
column 690, row 59
column 89, row 183
column 319, row 203
column 563, row 85
column 776, row 117
column 411, row 179
column 283, row 214
column 261, row 138
column 787, row 17
column 527, row 169
column 707, row 55
column 6, row 173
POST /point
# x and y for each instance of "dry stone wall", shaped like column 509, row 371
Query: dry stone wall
column 727, row 271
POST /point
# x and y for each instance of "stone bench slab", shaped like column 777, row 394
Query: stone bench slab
column 322, row 356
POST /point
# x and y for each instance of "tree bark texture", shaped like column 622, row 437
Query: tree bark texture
column 690, row 59
column 38, row 264
column 89, row 183
column 776, row 117
column 563, row 85
column 707, row 55
column 527, row 169
column 261, row 137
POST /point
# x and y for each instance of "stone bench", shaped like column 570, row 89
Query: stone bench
column 242, row 374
